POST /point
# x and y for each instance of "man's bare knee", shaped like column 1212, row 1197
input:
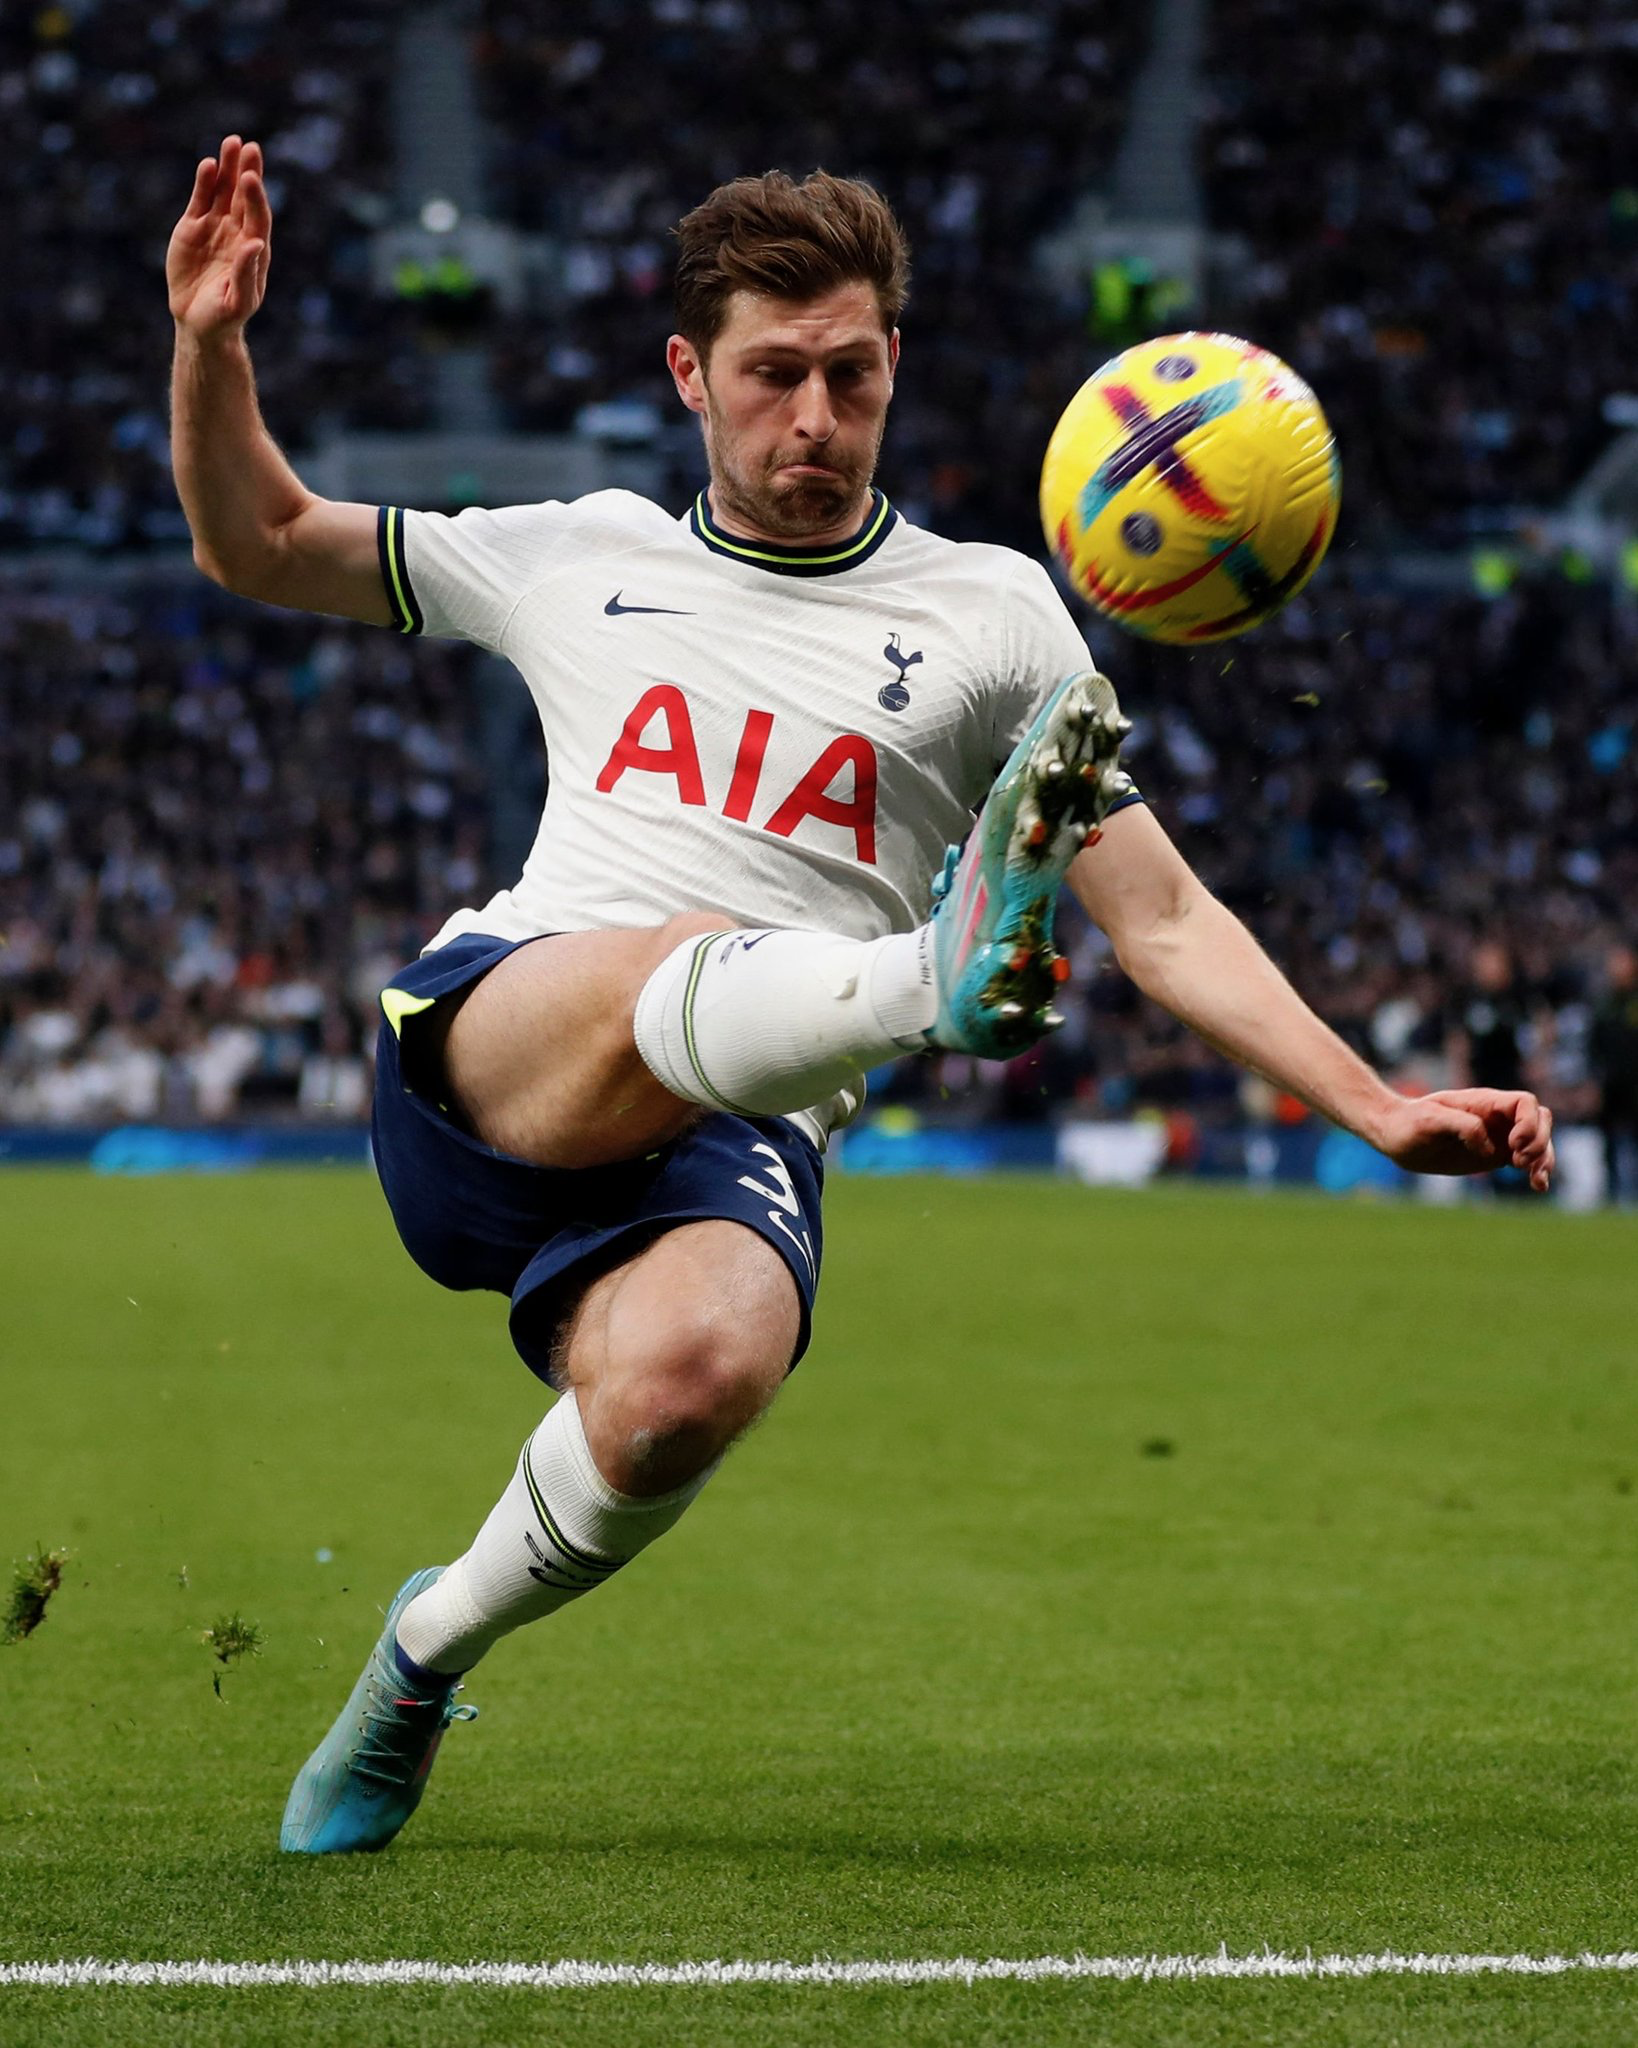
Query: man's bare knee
column 697, row 1378
column 687, row 1404
column 664, row 1414
column 676, row 1354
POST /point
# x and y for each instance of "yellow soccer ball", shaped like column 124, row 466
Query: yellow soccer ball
column 1191, row 487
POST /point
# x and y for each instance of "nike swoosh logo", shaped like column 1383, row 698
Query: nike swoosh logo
column 615, row 608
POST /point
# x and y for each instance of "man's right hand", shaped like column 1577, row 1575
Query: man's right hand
column 257, row 529
column 216, row 265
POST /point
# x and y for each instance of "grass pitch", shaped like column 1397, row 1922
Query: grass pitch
column 1120, row 1574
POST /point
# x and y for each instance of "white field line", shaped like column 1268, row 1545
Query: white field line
column 588, row 1976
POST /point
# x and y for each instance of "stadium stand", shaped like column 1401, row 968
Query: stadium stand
column 1376, row 782
column 219, row 830
column 981, row 122
column 1440, row 211
column 107, row 106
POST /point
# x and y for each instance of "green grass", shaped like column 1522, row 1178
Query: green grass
column 950, row 1660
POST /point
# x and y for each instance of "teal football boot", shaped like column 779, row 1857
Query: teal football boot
column 994, row 962
column 366, row 1777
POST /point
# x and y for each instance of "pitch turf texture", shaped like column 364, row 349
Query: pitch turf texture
column 1120, row 1574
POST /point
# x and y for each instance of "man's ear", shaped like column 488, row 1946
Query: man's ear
column 892, row 357
column 687, row 371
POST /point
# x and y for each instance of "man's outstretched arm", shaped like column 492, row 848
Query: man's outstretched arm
column 1196, row 959
column 256, row 527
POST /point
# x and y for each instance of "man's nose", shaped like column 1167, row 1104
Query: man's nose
column 815, row 418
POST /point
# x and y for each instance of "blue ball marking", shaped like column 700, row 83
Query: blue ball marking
column 1175, row 369
column 892, row 696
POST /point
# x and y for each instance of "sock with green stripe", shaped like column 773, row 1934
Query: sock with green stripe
column 558, row 1531
column 766, row 1022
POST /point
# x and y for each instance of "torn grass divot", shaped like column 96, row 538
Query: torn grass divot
column 33, row 1583
column 231, row 1637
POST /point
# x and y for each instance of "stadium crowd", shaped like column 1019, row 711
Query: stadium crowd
column 1457, row 276
column 107, row 105
column 220, row 830
column 983, row 123
column 1440, row 204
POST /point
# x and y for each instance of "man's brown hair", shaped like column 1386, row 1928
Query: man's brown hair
column 793, row 241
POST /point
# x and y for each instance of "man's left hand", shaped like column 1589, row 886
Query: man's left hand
column 1471, row 1130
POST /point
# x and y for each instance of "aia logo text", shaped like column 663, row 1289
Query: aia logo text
column 839, row 789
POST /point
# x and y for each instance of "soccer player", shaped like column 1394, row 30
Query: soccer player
column 606, row 1093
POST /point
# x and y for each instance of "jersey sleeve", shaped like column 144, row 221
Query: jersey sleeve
column 461, row 578
column 1043, row 645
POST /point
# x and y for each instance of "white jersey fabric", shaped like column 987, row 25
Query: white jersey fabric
column 791, row 736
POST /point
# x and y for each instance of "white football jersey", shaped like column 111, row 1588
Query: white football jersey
column 788, row 735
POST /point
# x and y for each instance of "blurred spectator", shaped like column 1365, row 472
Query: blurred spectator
column 335, row 1080
column 1612, row 1050
column 1492, row 1023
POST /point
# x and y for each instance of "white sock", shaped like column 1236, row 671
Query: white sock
column 767, row 1022
column 557, row 1531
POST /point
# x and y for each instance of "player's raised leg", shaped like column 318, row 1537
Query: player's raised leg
column 537, row 1058
column 666, row 1360
column 544, row 1057
column 766, row 1022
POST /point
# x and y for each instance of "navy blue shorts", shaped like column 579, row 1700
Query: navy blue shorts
column 474, row 1217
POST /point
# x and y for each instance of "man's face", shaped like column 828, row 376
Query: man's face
column 793, row 396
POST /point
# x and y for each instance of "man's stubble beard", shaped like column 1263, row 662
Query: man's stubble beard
column 796, row 508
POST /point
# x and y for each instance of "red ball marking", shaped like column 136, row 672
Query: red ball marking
column 1116, row 600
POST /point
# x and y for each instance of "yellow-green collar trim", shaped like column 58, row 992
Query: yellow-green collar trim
column 879, row 521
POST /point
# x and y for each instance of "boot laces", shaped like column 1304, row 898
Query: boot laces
column 401, row 1726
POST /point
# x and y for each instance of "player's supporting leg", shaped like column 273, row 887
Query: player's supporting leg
column 588, row 1048
column 666, row 1359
